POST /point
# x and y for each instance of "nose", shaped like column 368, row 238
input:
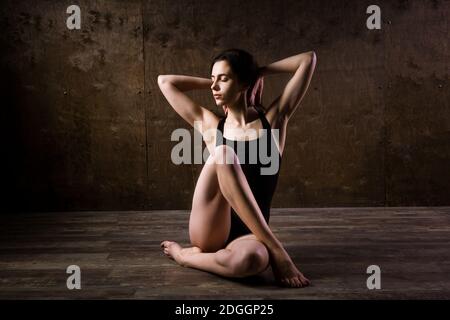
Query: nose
column 214, row 86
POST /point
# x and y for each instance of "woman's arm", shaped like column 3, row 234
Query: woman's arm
column 173, row 86
column 185, row 83
column 302, row 65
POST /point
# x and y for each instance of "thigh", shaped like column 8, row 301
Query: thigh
column 245, row 239
column 209, row 223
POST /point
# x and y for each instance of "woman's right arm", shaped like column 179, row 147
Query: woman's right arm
column 173, row 86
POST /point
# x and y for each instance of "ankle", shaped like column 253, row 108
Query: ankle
column 279, row 254
column 276, row 247
column 181, row 259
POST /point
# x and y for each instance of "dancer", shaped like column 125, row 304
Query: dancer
column 228, row 226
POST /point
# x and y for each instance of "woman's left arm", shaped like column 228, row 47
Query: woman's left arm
column 302, row 65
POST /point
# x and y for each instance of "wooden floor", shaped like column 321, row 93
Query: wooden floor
column 120, row 257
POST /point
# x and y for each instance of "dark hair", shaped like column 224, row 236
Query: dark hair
column 242, row 64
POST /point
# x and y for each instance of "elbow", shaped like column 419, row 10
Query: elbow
column 308, row 58
column 312, row 56
column 312, row 59
column 162, row 79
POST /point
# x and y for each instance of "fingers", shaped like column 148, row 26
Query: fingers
column 254, row 94
column 257, row 91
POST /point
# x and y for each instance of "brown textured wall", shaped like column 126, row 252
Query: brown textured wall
column 85, row 126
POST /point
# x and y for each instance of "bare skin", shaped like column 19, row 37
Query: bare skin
column 222, row 184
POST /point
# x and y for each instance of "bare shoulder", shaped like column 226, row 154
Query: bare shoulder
column 208, row 129
column 208, row 125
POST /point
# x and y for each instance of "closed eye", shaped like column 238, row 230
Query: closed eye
column 221, row 77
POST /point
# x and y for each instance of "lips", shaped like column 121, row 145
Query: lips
column 217, row 96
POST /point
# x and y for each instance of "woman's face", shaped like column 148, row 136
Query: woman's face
column 226, row 88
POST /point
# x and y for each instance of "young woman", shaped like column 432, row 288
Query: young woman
column 228, row 225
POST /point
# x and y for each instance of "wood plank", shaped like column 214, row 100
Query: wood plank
column 119, row 255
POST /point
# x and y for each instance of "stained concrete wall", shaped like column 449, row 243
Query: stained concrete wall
column 85, row 126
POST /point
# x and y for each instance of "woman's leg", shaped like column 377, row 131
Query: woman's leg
column 221, row 184
column 243, row 257
column 210, row 218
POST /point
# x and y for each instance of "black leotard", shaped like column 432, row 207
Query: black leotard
column 262, row 186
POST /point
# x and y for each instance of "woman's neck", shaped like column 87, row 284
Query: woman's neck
column 237, row 113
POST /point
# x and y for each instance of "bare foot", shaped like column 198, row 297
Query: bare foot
column 285, row 271
column 175, row 252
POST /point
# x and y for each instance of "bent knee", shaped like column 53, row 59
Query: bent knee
column 251, row 262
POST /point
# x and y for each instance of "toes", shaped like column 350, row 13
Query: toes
column 284, row 282
column 305, row 282
column 292, row 283
column 297, row 283
column 166, row 243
